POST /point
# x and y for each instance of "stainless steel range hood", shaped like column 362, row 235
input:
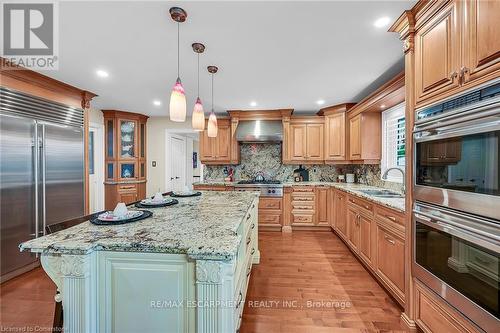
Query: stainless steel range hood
column 259, row 131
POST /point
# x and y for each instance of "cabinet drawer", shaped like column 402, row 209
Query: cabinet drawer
column 306, row 189
column 298, row 218
column 303, row 197
column 270, row 203
column 434, row 315
column 303, row 205
column 274, row 219
column 127, row 188
column 389, row 215
column 366, row 206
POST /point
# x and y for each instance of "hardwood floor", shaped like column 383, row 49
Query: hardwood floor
column 304, row 267
column 294, row 269
column 27, row 301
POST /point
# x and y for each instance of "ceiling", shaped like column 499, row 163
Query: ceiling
column 277, row 54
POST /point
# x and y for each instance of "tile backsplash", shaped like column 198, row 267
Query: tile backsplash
column 266, row 158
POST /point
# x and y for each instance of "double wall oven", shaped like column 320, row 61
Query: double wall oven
column 456, row 212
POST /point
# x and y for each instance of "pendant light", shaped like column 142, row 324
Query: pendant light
column 178, row 96
column 212, row 120
column 198, row 118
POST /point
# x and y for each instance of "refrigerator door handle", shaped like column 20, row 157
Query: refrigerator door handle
column 36, row 152
column 44, row 173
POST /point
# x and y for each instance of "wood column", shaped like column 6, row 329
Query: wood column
column 405, row 26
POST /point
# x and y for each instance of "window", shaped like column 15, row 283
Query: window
column 393, row 142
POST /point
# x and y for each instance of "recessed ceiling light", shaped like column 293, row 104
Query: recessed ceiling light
column 382, row 22
column 253, row 103
column 157, row 102
column 382, row 106
column 102, row 73
column 320, row 102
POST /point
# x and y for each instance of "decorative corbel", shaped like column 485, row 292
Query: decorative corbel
column 86, row 98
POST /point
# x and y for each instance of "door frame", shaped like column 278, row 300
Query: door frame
column 168, row 151
column 98, row 163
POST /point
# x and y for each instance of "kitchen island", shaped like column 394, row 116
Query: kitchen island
column 185, row 269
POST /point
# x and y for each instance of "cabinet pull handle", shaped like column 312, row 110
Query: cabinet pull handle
column 253, row 225
column 453, row 75
column 389, row 240
column 253, row 251
column 392, row 218
column 248, row 216
column 249, row 239
column 463, row 70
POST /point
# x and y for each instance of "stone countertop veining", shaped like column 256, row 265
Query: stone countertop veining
column 203, row 227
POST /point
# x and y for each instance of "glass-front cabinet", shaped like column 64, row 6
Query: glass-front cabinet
column 125, row 155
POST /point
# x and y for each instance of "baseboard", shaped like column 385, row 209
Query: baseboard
column 408, row 323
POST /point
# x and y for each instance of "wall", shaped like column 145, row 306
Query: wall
column 155, row 147
column 266, row 158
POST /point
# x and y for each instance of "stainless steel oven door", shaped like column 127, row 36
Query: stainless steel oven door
column 457, row 160
column 457, row 255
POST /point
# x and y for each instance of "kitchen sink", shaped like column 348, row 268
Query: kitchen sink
column 382, row 193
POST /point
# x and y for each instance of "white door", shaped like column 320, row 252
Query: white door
column 178, row 163
column 96, row 168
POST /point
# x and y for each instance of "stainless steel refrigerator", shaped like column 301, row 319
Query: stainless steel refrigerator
column 41, row 172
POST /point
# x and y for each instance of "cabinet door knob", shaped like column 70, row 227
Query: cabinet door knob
column 453, row 75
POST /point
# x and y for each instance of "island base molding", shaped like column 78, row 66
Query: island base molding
column 106, row 291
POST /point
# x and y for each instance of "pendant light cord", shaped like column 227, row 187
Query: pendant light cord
column 178, row 62
column 212, row 92
column 198, row 75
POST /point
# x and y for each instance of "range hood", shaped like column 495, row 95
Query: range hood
column 259, row 131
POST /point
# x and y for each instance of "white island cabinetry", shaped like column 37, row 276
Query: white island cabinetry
column 137, row 288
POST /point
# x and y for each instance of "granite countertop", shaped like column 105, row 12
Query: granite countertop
column 392, row 203
column 354, row 189
column 203, row 227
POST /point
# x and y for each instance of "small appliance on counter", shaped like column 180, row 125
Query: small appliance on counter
column 349, row 178
column 229, row 174
column 301, row 174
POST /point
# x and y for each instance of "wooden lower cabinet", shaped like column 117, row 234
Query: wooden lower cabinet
column 303, row 206
column 270, row 214
column 126, row 193
column 365, row 225
column 340, row 213
column 375, row 234
column 390, row 264
column 322, row 199
column 433, row 315
column 353, row 228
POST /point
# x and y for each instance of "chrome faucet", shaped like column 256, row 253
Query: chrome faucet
column 384, row 176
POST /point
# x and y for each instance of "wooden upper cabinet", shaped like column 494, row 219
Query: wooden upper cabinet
column 335, row 147
column 298, row 142
column 314, row 142
column 305, row 142
column 355, row 138
column 217, row 151
column 437, row 53
column 224, row 143
column 457, row 47
column 365, row 137
column 207, row 147
column 482, row 38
